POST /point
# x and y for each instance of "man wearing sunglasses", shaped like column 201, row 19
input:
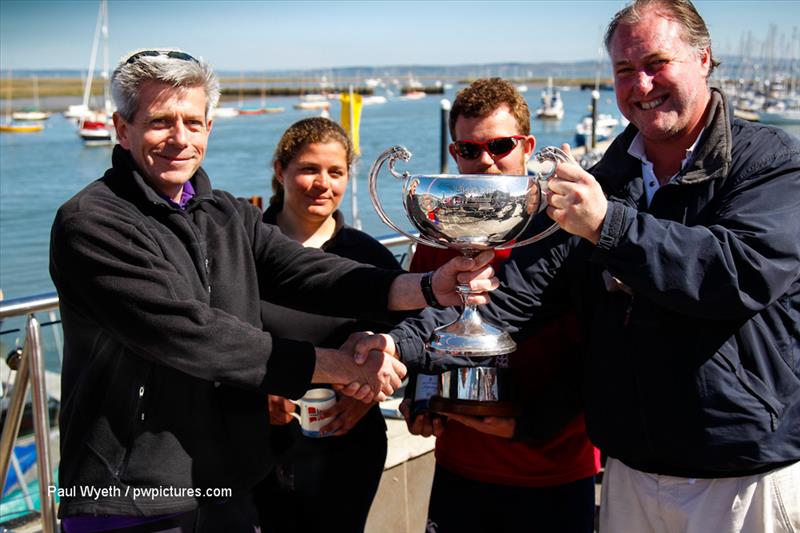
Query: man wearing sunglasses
column 166, row 369
column 541, row 464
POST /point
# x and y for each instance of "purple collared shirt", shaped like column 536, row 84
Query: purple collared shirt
column 186, row 195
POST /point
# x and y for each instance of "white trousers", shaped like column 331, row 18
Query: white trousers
column 637, row 502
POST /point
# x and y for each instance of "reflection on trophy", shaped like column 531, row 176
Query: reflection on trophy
column 471, row 213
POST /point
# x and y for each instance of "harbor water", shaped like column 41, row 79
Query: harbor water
column 38, row 172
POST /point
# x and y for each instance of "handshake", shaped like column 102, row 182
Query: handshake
column 367, row 366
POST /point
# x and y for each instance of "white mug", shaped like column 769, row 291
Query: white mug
column 314, row 401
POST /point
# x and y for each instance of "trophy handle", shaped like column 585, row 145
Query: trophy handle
column 548, row 153
column 393, row 154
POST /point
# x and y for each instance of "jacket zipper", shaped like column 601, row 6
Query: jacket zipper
column 138, row 419
column 771, row 409
column 140, row 396
column 626, row 320
column 206, row 267
column 139, row 402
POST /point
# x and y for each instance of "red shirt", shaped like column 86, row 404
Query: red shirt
column 568, row 456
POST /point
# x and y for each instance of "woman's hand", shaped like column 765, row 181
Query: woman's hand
column 279, row 409
column 345, row 415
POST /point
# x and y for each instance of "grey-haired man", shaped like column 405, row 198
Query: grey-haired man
column 166, row 368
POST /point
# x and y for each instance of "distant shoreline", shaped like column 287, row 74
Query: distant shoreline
column 22, row 89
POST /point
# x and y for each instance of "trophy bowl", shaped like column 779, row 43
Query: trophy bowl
column 470, row 213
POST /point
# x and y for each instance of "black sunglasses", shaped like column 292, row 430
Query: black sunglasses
column 498, row 147
column 174, row 54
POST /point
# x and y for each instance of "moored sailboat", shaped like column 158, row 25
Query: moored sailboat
column 34, row 113
column 552, row 107
column 9, row 126
column 96, row 127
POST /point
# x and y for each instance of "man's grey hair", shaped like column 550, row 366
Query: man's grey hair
column 129, row 76
column 695, row 32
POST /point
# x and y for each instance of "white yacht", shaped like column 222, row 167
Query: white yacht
column 552, row 106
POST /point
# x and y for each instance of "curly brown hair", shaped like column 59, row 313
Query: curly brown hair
column 297, row 136
column 485, row 95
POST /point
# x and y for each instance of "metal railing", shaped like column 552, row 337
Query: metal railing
column 396, row 240
column 29, row 366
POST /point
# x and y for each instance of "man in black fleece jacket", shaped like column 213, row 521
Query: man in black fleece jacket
column 166, row 367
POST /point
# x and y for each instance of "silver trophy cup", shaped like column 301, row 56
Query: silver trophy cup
column 470, row 213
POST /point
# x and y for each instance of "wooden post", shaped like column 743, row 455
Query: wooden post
column 444, row 136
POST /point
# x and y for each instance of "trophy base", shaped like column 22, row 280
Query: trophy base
column 470, row 339
column 446, row 406
column 476, row 391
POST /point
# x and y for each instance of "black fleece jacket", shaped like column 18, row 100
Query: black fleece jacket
column 166, row 367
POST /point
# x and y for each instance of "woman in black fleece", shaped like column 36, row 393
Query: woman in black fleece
column 322, row 484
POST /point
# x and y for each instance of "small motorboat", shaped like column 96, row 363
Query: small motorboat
column 414, row 95
column 312, row 104
column 225, row 112
column 96, row 132
column 604, row 130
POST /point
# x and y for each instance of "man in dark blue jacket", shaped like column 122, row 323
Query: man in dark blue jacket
column 685, row 267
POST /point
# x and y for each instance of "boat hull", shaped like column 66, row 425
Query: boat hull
column 30, row 115
column 312, row 105
column 21, row 128
column 782, row 117
column 550, row 115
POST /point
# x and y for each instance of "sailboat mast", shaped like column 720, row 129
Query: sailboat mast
column 264, row 91
column 87, row 89
column 793, row 54
column 36, row 92
column 8, row 97
column 241, row 89
column 104, row 75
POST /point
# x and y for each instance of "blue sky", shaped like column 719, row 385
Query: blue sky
column 267, row 35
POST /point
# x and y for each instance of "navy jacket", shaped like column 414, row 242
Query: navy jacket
column 697, row 374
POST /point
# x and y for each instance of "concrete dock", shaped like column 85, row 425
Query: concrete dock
column 401, row 504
